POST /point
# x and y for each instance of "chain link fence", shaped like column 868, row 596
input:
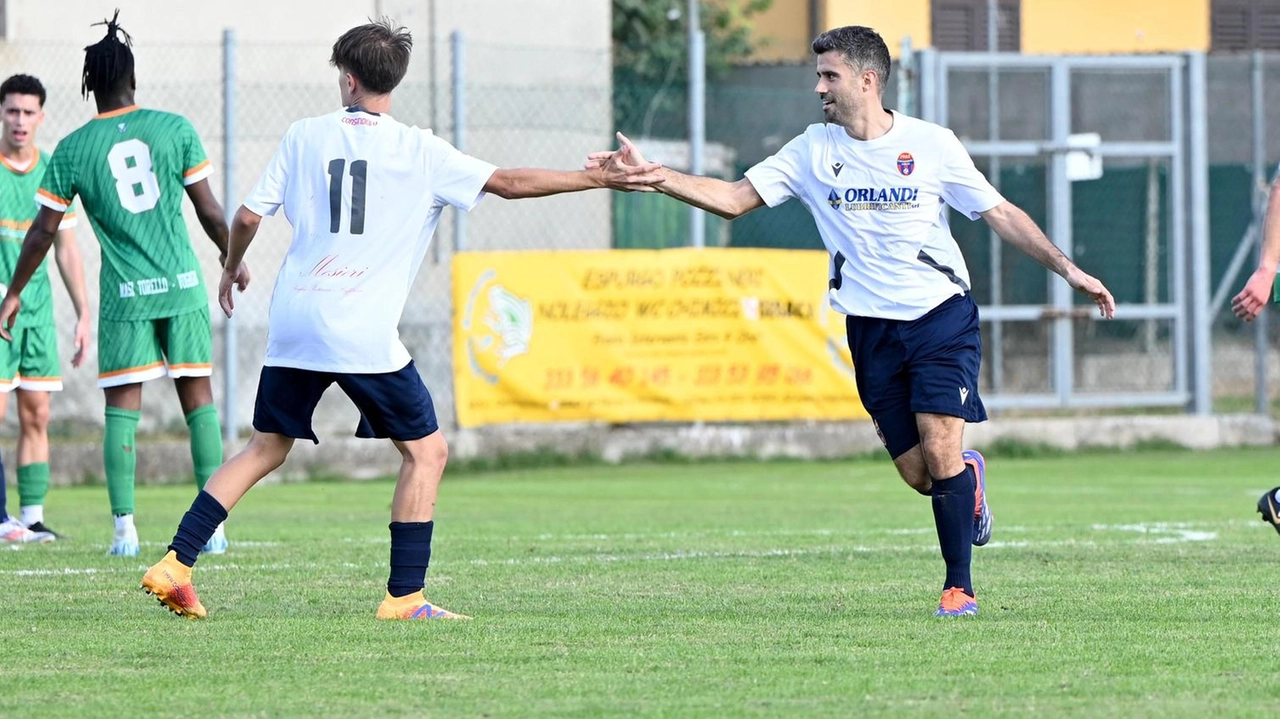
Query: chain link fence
column 521, row 107
column 511, row 115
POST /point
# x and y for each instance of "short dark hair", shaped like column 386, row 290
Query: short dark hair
column 377, row 53
column 861, row 47
column 108, row 63
column 22, row 85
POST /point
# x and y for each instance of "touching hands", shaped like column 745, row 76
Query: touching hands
column 625, row 169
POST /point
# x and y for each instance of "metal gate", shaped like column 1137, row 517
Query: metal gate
column 1036, row 126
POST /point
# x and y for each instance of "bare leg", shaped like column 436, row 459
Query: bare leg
column 264, row 453
column 422, row 464
column 193, row 392
column 33, row 424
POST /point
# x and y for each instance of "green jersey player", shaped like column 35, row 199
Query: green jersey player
column 29, row 366
column 131, row 167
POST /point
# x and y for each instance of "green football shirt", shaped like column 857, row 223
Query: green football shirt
column 130, row 168
column 17, row 211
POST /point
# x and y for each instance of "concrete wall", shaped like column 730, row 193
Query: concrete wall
column 79, row 462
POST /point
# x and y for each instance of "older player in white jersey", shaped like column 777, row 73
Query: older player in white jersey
column 878, row 184
column 363, row 193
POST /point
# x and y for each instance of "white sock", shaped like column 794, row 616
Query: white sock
column 32, row 513
column 124, row 523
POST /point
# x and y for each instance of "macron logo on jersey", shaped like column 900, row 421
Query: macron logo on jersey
column 860, row 199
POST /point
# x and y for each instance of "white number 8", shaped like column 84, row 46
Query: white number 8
column 136, row 184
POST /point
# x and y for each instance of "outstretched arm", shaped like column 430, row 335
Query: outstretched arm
column 34, row 247
column 729, row 200
column 512, row 184
column 209, row 212
column 1015, row 227
column 1249, row 303
column 66, row 253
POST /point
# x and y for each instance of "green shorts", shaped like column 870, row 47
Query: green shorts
column 30, row 361
column 139, row 350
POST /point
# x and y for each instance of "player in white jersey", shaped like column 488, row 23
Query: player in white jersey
column 363, row 193
column 878, row 184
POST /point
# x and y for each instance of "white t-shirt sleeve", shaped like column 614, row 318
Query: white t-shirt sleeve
column 268, row 195
column 457, row 178
column 779, row 177
column 963, row 187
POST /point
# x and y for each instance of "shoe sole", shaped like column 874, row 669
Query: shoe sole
column 963, row 613
column 166, row 600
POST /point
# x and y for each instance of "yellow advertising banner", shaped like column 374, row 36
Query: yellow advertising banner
column 648, row 336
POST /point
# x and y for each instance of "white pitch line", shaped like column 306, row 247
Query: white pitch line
column 1160, row 533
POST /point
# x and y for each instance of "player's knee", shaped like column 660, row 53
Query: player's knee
column 919, row 481
column 34, row 419
column 430, row 452
column 271, row 449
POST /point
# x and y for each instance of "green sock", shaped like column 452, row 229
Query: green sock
column 206, row 442
column 33, row 483
column 118, row 457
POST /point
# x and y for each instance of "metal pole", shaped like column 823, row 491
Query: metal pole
column 1198, row 205
column 697, row 117
column 1262, row 399
column 433, row 93
column 906, row 78
column 994, row 244
column 230, row 345
column 927, row 63
column 1060, row 230
column 458, row 45
column 1179, row 232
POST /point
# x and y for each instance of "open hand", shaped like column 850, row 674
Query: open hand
column 81, row 341
column 1249, row 303
column 1089, row 285
column 8, row 313
column 238, row 277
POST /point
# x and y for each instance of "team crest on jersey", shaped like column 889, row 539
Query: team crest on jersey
column 834, row 200
column 906, row 164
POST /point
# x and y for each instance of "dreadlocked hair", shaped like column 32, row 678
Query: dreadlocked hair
column 109, row 62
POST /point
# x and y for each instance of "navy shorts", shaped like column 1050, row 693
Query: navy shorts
column 393, row 405
column 926, row 365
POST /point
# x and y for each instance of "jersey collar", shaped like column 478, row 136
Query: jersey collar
column 116, row 113
column 11, row 168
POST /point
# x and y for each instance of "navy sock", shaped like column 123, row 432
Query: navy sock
column 410, row 555
column 197, row 525
column 953, row 515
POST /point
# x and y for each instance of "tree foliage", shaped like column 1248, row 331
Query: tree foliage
column 651, row 53
column 650, row 37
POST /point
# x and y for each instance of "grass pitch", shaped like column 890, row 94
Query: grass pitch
column 1134, row 585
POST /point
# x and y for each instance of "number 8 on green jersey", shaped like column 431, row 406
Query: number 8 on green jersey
column 130, row 168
